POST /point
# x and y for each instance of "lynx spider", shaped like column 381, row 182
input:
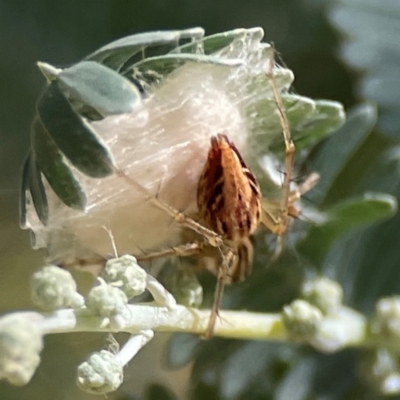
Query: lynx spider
column 218, row 236
column 230, row 249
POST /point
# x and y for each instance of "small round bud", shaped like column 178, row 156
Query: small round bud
column 323, row 293
column 336, row 331
column 127, row 274
column 381, row 370
column 21, row 341
column 301, row 320
column 109, row 302
column 101, row 373
column 387, row 317
column 54, row 288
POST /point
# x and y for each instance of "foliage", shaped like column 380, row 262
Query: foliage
column 356, row 160
column 72, row 96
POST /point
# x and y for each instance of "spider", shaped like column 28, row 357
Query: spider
column 230, row 207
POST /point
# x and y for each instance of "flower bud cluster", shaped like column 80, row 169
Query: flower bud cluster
column 125, row 273
column 321, row 320
column 101, row 373
column 110, row 303
column 323, row 293
column 301, row 320
column 386, row 322
column 21, row 341
column 54, row 288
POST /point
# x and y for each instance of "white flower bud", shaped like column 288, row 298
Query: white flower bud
column 21, row 342
column 106, row 300
column 339, row 330
column 101, row 373
column 387, row 317
column 323, row 293
column 301, row 320
column 54, row 288
column 127, row 274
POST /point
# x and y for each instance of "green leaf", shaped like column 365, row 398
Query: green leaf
column 116, row 53
column 211, row 44
column 129, row 46
column 32, row 179
column 309, row 122
column 265, row 126
column 298, row 108
column 38, row 192
column 373, row 252
column 338, row 150
column 283, row 79
column 52, row 164
column 49, row 71
column 164, row 65
column 343, row 218
column 327, row 117
column 370, row 43
column 234, row 378
column 99, row 87
column 76, row 139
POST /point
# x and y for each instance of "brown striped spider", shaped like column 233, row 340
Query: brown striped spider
column 230, row 207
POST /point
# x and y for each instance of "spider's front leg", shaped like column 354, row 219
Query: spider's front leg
column 282, row 219
column 276, row 215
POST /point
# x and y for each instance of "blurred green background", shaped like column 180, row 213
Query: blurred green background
column 346, row 51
